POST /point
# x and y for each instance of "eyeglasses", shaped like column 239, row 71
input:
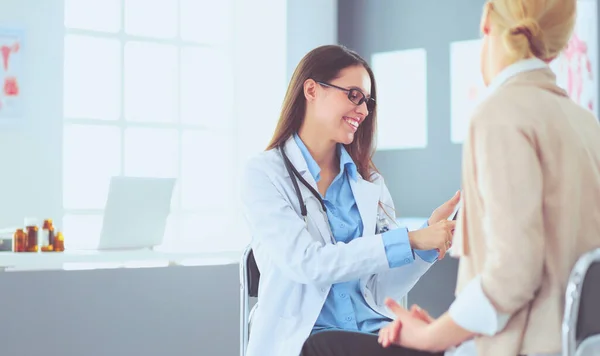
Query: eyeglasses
column 354, row 95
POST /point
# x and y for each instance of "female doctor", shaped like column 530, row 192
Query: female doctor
column 321, row 217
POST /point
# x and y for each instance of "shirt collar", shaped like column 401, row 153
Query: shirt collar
column 346, row 162
column 521, row 66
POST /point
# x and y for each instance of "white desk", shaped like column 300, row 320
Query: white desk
column 85, row 260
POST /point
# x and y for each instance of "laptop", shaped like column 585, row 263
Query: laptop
column 136, row 213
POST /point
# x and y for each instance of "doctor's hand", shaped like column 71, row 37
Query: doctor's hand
column 444, row 211
column 437, row 236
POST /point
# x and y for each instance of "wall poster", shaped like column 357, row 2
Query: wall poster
column 11, row 74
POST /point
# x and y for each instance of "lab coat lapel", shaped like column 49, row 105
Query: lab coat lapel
column 367, row 197
column 295, row 155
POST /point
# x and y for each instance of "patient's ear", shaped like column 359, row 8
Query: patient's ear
column 484, row 25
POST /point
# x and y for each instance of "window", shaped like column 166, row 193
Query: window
column 148, row 91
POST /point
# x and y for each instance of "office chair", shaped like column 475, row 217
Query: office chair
column 581, row 322
column 249, row 278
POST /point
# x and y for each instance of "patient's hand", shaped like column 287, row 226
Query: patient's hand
column 408, row 330
column 416, row 329
column 418, row 313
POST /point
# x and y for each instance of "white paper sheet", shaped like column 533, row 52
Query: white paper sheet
column 401, row 99
column 466, row 86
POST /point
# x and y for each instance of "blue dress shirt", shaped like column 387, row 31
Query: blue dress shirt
column 345, row 307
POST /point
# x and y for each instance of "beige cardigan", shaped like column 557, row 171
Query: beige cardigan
column 531, row 207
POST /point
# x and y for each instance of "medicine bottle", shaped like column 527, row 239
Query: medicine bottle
column 19, row 241
column 32, row 239
column 59, row 242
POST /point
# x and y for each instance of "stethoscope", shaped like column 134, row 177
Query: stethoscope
column 382, row 222
column 296, row 176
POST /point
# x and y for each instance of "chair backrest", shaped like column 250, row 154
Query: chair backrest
column 588, row 319
column 249, row 278
column 253, row 275
column 582, row 310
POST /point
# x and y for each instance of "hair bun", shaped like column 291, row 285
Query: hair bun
column 529, row 27
column 532, row 28
column 526, row 37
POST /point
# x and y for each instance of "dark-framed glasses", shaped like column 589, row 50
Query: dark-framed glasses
column 354, row 95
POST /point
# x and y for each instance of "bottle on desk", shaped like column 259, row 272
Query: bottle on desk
column 46, row 240
column 32, row 238
column 59, row 242
column 19, row 241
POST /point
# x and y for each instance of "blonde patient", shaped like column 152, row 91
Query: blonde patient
column 531, row 193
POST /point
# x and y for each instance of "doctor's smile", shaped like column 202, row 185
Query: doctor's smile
column 353, row 122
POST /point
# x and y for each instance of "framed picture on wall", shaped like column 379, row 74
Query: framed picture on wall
column 577, row 67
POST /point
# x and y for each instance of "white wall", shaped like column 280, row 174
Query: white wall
column 260, row 61
column 310, row 23
column 30, row 150
column 272, row 37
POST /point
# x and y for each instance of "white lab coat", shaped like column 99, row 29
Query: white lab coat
column 299, row 263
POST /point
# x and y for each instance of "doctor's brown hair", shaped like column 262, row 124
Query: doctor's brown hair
column 324, row 64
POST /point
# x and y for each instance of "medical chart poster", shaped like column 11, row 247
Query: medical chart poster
column 577, row 67
column 11, row 74
column 401, row 99
column 466, row 86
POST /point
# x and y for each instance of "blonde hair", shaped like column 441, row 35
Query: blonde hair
column 533, row 28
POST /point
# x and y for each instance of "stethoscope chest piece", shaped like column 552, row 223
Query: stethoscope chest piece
column 383, row 224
